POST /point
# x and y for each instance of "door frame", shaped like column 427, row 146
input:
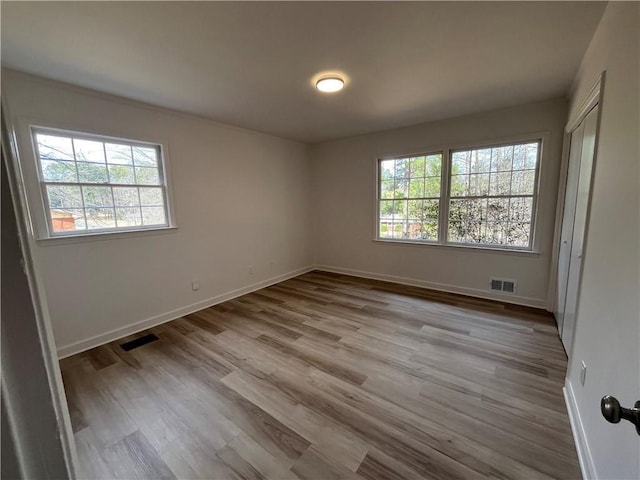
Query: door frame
column 43, row 322
column 594, row 97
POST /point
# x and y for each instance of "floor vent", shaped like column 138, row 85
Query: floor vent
column 503, row 285
column 138, row 342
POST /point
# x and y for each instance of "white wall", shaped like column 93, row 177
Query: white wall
column 241, row 199
column 343, row 179
column 607, row 335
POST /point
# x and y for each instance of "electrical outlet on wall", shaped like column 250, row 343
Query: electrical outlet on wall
column 583, row 372
column 195, row 284
column 250, row 269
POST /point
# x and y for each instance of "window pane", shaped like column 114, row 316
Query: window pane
column 466, row 220
column 387, row 169
column 150, row 196
column 153, row 216
column 479, row 184
column 531, row 157
column 476, row 216
column 397, row 230
column 92, row 172
column 118, row 154
column 481, row 160
column 386, row 189
column 402, row 168
column 460, row 163
column 458, row 210
column 386, row 208
column 455, row 232
column 147, row 176
column 145, row 156
column 385, row 230
column 500, row 183
column 496, row 234
column 416, row 188
column 498, row 210
column 431, row 209
column 56, row 171
column 523, row 182
column 519, row 157
column 434, row 165
column 417, row 166
column 414, row 209
column 518, row 235
column 399, row 208
column 128, row 217
column 459, row 185
column 64, row 196
column 400, row 188
column 414, row 229
column 432, row 186
column 100, row 218
column 121, row 174
column 51, row 147
column 89, row 151
column 125, row 196
column 520, row 210
column 430, row 230
column 501, row 158
column 97, row 196
column 67, row 219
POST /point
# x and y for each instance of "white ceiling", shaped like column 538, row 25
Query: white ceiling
column 252, row 64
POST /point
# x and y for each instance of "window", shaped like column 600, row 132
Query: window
column 410, row 197
column 487, row 197
column 93, row 184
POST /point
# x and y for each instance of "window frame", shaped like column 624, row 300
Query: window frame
column 542, row 138
column 440, row 152
column 42, row 222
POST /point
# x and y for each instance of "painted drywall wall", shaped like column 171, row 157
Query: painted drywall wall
column 241, row 199
column 608, row 320
column 343, row 186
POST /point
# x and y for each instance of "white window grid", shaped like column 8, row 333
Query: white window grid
column 445, row 197
column 404, row 217
column 162, row 184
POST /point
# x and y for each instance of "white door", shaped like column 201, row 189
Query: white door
column 580, row 211
column 566, row 236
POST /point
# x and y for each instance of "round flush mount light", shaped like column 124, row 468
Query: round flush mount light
column 330, row 84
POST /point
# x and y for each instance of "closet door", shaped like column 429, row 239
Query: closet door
column 579, row 227
column 566, row 236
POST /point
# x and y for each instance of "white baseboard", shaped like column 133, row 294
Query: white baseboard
column 81, row 346
column 584, row 454
column 110, row 336
column 442, row 287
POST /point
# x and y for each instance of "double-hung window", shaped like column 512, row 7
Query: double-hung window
column 481, row 196
column 409, row 193
column 95, row 184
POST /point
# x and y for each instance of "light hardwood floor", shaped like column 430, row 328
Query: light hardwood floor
column 329, row 376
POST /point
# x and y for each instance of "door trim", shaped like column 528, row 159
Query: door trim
column 49, row 357
column 593, row 97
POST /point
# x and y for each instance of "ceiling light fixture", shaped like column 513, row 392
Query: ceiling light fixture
column 330, row 84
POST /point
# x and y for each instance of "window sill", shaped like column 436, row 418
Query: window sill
column 476, row 248
column 103, row 236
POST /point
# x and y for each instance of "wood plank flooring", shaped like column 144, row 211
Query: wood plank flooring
column 327, row 376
